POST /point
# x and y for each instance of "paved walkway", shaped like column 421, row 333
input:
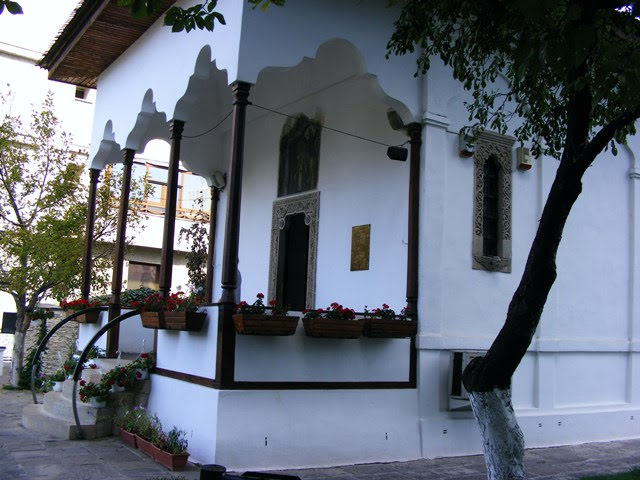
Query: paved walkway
column 28, row 455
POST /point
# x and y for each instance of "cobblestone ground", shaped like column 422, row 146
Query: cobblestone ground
column 29, row 455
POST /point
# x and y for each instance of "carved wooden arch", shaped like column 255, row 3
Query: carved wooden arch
column 499, row 147
column 309, row 204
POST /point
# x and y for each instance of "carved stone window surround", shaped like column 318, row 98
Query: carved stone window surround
column 498, row 146
column 309, row 204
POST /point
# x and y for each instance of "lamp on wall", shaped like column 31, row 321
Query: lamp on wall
column 465, row 146
column 396, row 152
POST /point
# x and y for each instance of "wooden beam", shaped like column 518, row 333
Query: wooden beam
column 113, row 335
column 225, row 362
column 414, row 130
column 213, row 225
column 171, row 203
column 87, row 257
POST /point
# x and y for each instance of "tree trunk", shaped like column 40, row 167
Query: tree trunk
column 18, row 357
column 22, row 324
column 488, row 378
column 502, row 439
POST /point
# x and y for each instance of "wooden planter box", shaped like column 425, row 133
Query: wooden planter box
column 186, row 321
column 257, row 324
column 329, row 328
column 128, row 438
column 145, row 446
column 383, row 328
column 173, row 461
column 91, row 317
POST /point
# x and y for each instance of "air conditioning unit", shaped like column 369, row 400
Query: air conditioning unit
column 458, row 395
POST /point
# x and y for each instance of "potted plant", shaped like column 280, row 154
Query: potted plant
column 119, row 378
column 69, row 366
column 147, row 429
column 128, row 425
column 385, row 323
column 254, row 320
column 175, row 312
column 57, row 379
column 171, row 448
column 96, row 394
column 72, row 306
column 335, row 321
column 141, row 365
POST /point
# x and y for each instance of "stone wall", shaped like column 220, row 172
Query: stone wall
column 58, row 346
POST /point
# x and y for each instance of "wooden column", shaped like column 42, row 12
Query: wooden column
column 113, row 335
column 171, row 202
column 213, row 221
column 87, row 257
column 226, row 332
column 414, row 130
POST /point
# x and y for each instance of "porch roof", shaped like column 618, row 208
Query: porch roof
column 96, row 35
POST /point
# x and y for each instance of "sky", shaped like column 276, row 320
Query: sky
column 37, row 28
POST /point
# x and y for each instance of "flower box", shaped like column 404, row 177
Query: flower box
column 128, row 438
column 145, row 446
column 173, row 461
column 257, row 324
column 387, row 328
column 332, row 328
column 90, row 317
column 176, row 320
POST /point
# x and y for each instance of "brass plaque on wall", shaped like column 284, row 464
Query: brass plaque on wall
column 360, row 242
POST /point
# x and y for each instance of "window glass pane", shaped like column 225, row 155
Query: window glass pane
column 138, row 172
column 157, row 174
column 143, row 275
column 194, row 187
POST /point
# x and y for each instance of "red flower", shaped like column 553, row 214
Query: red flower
column 67, row 367
column 82, row 383
column 144, row 355
column 385, row 306
column 111, row 382
column 93, row 365
column 138, row 375
column 272, row 302
column 260, row 295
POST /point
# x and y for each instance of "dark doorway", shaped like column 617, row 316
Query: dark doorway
column 293, row 257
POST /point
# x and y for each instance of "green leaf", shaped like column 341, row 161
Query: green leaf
column 14, row 8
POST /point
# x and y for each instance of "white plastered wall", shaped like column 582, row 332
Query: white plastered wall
column 577, row 382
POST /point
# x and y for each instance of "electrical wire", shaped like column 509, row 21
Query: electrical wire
column 330, row 128
column 295, row 118
column 211, row 129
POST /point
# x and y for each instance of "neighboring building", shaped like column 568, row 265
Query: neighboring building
column 323, row 218
column 26, row 85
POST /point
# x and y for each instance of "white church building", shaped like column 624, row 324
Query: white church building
column 288, row 113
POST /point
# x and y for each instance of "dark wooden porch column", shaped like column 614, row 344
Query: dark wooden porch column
column 213, row 222
column 113, row 335
column 87, row 257
column 226, row 332
column 414, row 130
column 171, row 202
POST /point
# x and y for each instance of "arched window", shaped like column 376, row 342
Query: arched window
column 492, row 203
column 491, row 207
column 299, row 155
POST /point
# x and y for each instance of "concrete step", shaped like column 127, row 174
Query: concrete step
column 34, row 417
column 57, row 405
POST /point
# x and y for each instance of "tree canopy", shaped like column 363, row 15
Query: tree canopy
column 545, row 50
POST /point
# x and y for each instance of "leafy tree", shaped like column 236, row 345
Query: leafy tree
column 197, row 235
column 43, row 205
